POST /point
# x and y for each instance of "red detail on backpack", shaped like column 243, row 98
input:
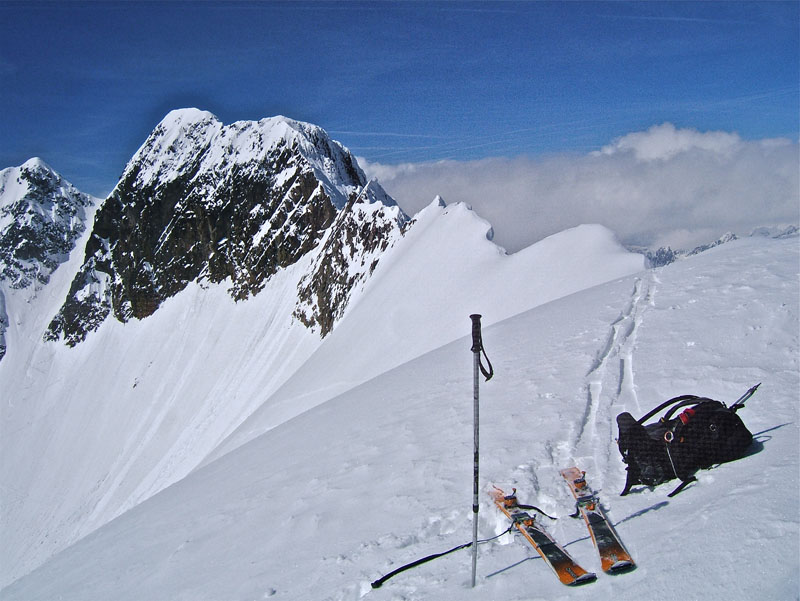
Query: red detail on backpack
column 686, row 416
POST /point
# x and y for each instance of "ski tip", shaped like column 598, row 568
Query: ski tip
column 584, row 579
column 620, row 567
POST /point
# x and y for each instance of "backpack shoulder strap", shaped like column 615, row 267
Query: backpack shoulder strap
column 686, row 399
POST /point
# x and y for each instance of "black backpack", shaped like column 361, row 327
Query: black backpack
column 704, row 434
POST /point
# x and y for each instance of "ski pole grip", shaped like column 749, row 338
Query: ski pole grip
column 477, row 344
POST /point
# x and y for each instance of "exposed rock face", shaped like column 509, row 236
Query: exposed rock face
column 205, row 202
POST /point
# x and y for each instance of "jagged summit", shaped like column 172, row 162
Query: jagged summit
column 203, row 201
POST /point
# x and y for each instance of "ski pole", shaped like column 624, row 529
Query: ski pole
column 477, row 348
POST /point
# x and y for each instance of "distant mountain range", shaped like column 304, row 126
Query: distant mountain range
column 41, row 217
column 666, row 255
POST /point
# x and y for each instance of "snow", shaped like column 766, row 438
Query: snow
column 354, row 454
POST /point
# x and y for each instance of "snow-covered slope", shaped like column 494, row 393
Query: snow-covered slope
column 137, row 405
column 89, row 432
column 319, row 506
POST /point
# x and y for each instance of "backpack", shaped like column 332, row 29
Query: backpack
column 704, row 434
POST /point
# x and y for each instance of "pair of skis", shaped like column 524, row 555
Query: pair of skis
column 613, row 556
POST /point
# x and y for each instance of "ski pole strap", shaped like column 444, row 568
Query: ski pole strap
column 477, row 347
column 379, row 582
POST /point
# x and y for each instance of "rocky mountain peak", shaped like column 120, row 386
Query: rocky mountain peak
column 203, row 201
column 41, row 217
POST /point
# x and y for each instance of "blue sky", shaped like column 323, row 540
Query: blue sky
column 83, row 84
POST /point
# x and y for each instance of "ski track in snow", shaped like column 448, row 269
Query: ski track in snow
column 609, row 385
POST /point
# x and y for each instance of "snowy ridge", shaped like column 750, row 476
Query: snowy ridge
column 284, row 515
column 443, row 268
column 347, row 257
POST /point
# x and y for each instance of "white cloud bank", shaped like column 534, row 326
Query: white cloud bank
column 663, row 186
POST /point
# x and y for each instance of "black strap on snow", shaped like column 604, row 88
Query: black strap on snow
column 379, row 582
column 477, row 346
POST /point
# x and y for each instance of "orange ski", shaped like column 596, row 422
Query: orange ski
column 568, row 572
column 613, row 556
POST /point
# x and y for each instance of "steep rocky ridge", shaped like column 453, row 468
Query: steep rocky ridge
column 348, row 254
